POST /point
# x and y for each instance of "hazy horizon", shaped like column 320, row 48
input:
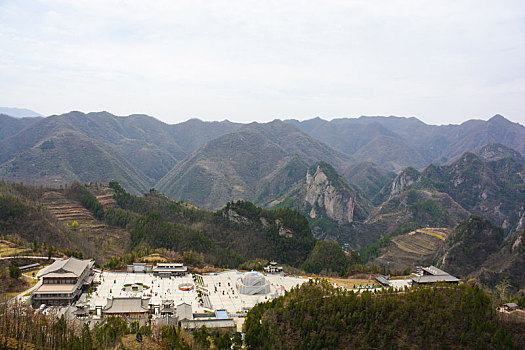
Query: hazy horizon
column 259, row 61
column 266, row 121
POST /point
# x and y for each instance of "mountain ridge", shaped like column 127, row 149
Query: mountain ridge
column 416, row 143
column 19, row 112
column 239, row 165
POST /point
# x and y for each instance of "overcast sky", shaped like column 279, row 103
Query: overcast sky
column 441, row 61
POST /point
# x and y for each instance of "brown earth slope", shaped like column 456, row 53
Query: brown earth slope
column 98, row 239
column 413, row 249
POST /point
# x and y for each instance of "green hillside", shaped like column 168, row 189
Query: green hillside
column 477, row 249
column 317, row 315
column 228, row 237
column 110, row 224
column 493, row 187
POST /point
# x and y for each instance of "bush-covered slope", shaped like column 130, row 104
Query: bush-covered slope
column 70, row 157
column 490, row 184
column 228, row 237
column 320, row 316
column 10, row 125
column 421, row 207
column 477, row 249
column 44, row 217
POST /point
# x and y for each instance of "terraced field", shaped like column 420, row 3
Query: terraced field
column 412, row 249
column 95, row 237
column 104, row 195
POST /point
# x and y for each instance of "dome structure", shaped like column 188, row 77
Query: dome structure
column 252, row 283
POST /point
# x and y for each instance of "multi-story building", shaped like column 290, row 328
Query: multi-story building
column 170, row 269
column 62, row 282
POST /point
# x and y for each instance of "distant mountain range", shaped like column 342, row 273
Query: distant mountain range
column 19, row 112
column 355, row 179
column 399, row 190
column 137, row 150
column 395, row 143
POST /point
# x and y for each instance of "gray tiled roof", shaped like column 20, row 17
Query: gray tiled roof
column 126, row 305
column 435, row 271
column 71, row 267
column 435, row 279
column 383, row 280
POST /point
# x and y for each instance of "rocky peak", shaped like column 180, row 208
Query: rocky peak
column 233, row 216
column 329, row 196
column 406, row 178
column 497, row 151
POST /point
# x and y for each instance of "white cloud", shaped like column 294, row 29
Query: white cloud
column 256, row 60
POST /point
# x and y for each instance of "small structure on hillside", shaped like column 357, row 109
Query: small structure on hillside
column 273, row 268
column 432, row 274
column 252, row 283
column 29, row 267
column 167, row 308
column 384, row 281
column 510, row 306
column 170, row 269
column 81, row 313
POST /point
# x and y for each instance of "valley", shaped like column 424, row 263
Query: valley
column 262, row 175
column 125, row 190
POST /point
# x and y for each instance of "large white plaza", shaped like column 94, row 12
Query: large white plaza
column 221, row 289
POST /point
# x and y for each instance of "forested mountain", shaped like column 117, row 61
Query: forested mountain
column 71, row 156
column 475, row 248
column 491, row 183
column 112, row 224
column 337, row 174
column 320, row 316
column 258, row 162
column 139, row 151
column 478, row 249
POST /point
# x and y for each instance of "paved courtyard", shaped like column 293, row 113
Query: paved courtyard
column 221, row 287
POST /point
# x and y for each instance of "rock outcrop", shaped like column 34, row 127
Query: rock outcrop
column 326, row 197
column 406, row 178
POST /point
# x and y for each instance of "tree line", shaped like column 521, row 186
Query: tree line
column 318, row 315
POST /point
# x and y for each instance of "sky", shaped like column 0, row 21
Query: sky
column 440, row 61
